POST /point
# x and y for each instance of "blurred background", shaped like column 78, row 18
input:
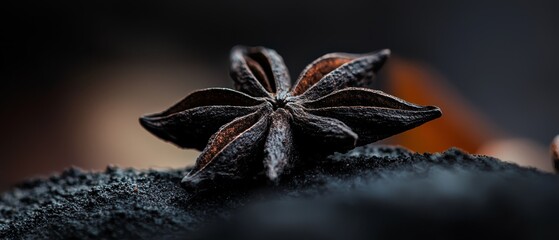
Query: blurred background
column 76, row 76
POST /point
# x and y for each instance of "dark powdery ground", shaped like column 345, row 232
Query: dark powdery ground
column 370, row 192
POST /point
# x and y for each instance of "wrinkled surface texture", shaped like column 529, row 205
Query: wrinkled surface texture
column 263, row 126
column 370, row 192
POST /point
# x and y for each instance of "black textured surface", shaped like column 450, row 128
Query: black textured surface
column 366, row 193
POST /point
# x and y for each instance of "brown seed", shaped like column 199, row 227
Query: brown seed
column 263, row 125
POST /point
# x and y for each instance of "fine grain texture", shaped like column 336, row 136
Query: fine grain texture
column 370, row 192
column 326, row 111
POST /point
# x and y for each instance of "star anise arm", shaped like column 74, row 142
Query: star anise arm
column 372, row 114
column 232, row 152
column 278, row 149
column 191, row 122
column 259, row 71
column 321, row 131
column 335, row 71
column 319, row 68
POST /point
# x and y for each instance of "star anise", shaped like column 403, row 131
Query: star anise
column 265, row 125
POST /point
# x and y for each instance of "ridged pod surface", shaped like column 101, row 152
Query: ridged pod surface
column 263, row 125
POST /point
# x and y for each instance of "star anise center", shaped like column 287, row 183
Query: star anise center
column 277, row 102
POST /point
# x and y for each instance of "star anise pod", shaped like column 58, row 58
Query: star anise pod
column 264, row 125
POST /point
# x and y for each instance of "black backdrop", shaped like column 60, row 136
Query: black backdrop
column 501, row 55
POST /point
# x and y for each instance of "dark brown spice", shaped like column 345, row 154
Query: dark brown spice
column 555, row 153
column 327, row 111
